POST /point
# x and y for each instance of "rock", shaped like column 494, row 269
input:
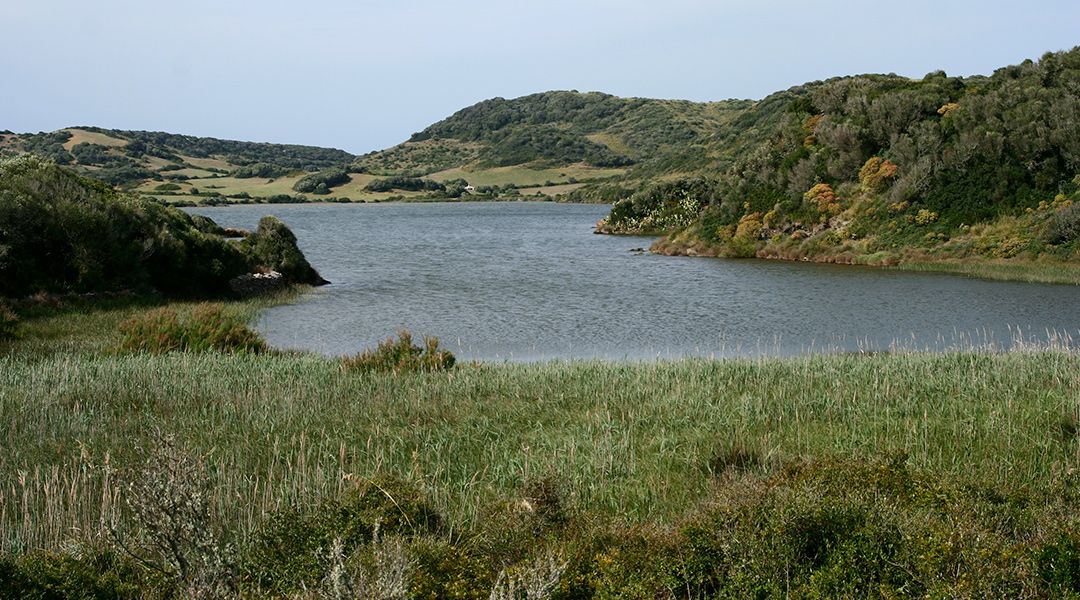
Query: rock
column 254, row 284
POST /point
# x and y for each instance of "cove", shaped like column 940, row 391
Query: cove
column 529, row 281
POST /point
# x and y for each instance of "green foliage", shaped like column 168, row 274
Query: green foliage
column 48, row 145
column 548, row 145
column 321, row 182
column 61, row 233
column 262, row 170
column 273, row 248
column 290, row 156
column 401, row 356
column 208, row 328
column 959, row 152
column 661, row 207
column 9, row 321
column 411, row 184
column 1064, row 225
column 88, row 574
column 284, row 554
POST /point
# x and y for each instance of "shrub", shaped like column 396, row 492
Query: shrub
column 169, row 496
column 402, row 356
column 87, row 572
column 326, row 179
column 1064, row 225
column 208, row 328
column 876, row 173
column 273, row 247
column 286, row 552
column 8, row 321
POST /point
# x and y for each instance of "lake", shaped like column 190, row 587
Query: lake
column 530, row 281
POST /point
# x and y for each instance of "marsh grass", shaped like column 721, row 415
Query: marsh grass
column 626, row 469
column 634, row 440
column 1026, row 271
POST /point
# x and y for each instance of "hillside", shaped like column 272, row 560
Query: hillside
column 63, row 233
column 567, row 139
column 178, row 168
column 884, row 170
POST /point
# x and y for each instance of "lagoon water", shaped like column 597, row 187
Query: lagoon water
column 530, row 281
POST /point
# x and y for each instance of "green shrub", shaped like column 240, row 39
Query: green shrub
column 208, row 328
column 273, row 247
column 88, row 573
column 327, row 179
column 1064, row 226
column 402, row 356
column 284, row 554
column 9, row 321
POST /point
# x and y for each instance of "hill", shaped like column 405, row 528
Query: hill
column 883, row 169
column 179, row 168
column 566, row 139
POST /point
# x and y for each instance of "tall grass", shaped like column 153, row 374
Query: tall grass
column 634, row 441
column 1026, row 271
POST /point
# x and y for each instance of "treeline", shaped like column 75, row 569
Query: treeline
column 67, row 234
column 292, row 156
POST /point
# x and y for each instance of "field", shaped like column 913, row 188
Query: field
column 81, row 136
column 627, row 447
column 524, row 176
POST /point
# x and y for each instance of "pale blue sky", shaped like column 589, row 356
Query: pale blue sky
column 365, row 75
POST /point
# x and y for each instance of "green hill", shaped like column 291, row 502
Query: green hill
column 179, row 168
column 884, row 169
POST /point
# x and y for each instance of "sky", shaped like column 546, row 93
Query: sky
column 365, row 74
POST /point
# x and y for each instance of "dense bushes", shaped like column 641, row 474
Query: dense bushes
column 411, row 184
column 823, row 529
column 401, row 356
column 321, row 182
column 262, row 170
column 908, row 164
column 63, row 233
column 273, row 247
column 207, row 327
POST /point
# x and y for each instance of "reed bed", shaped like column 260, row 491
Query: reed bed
column 637, row 442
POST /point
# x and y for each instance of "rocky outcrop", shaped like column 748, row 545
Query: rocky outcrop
column 254, row 284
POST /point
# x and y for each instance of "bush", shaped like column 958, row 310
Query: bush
column 409, row 184
column 284, row 554
column 87, row 573
column 1064, row 226
column 8, row 321
column 401, row 356
column 208, row 328
column 327, row 179
column 273, row 247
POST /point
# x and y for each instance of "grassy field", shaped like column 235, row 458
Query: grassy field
column 644, row 450
column 631, row 439
column 81, row 136
column 550, row 190
column 525, row 176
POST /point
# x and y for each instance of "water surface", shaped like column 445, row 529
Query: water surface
column 528, row 281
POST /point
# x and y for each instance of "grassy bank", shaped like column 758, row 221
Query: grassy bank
column 637, row 456
column 1027, row 271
